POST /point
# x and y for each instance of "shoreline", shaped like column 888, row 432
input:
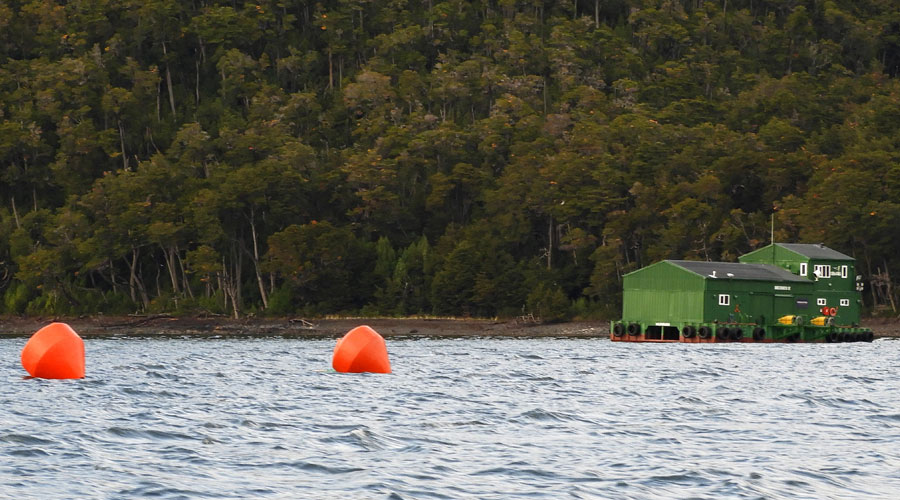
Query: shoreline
column 164, row 325
column 219, row 326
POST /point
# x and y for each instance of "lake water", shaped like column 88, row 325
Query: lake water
column 459, row 418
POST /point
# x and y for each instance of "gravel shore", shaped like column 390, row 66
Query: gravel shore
column 164, row 325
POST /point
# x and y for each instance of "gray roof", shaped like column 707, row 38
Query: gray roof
column 815, row 251
column 738, row 271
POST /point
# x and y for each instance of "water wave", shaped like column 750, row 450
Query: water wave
column 458, row 418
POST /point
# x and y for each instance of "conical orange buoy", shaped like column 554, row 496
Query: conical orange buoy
column 362, row 349
column 55, row 351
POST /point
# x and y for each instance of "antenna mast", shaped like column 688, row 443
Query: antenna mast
column 773, row 227
column 773, row 236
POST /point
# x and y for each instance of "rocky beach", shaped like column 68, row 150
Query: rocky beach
column 165, row 325
column 303, row 327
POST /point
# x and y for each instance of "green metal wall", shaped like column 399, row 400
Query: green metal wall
column 777, row 256
column 832, row 289
column 663, row 293
column 755, row 301
column 667, row 293
column 790, row 260
column 848, row 313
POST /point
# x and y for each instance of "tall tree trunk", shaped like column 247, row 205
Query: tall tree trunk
column 158, row 100
column 185, row 284
column 158, row 286
column 12, row 200
column 228, row 287
column 221, row 278
column 197, row 82
column 169, row 253
column 238, row 272
column 890, row 287
column 132, row 278
column 330, row 71
column 112, row 276
column 122, row 143
column 232, row 280
column 135, row 284
column 169, row 81
column 550, row 244
column 259, row 280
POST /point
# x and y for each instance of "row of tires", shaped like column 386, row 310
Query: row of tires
column 835, row 337
column 736, row 333
column 689, row 332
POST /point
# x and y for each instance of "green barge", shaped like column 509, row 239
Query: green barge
column 779, row 293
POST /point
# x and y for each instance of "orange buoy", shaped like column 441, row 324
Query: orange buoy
column 362, row 349
column 55, row 351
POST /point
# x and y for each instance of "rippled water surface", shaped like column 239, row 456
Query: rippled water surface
column 458, row 418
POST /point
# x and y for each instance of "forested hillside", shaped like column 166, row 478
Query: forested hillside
column 450, row 157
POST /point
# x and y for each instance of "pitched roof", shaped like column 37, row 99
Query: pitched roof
column 815, row 251
column 738, row 271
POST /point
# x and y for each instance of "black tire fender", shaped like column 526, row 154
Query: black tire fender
column 759, row 333
column 722, row 333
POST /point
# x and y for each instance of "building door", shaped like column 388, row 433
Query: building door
column 789, row 304
column 758, row 309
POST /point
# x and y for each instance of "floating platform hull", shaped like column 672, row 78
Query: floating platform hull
column 721, row 333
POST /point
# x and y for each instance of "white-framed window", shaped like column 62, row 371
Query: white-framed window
column 803, row 269
column 822, row 271
column 845, row 302
column 724, row 299
column 821, row 302
column 844, row 273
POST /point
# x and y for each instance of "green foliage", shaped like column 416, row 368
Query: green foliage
column 328, row 267
column 452, row 289
column 282, row 301
column 548, row 302
column 222, row 157
column 586, row 310
column 46, row 303
column 16, row 298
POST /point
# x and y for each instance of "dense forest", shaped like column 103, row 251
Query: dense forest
column 472, row 158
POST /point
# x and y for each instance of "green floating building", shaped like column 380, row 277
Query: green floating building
column 780, row 293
